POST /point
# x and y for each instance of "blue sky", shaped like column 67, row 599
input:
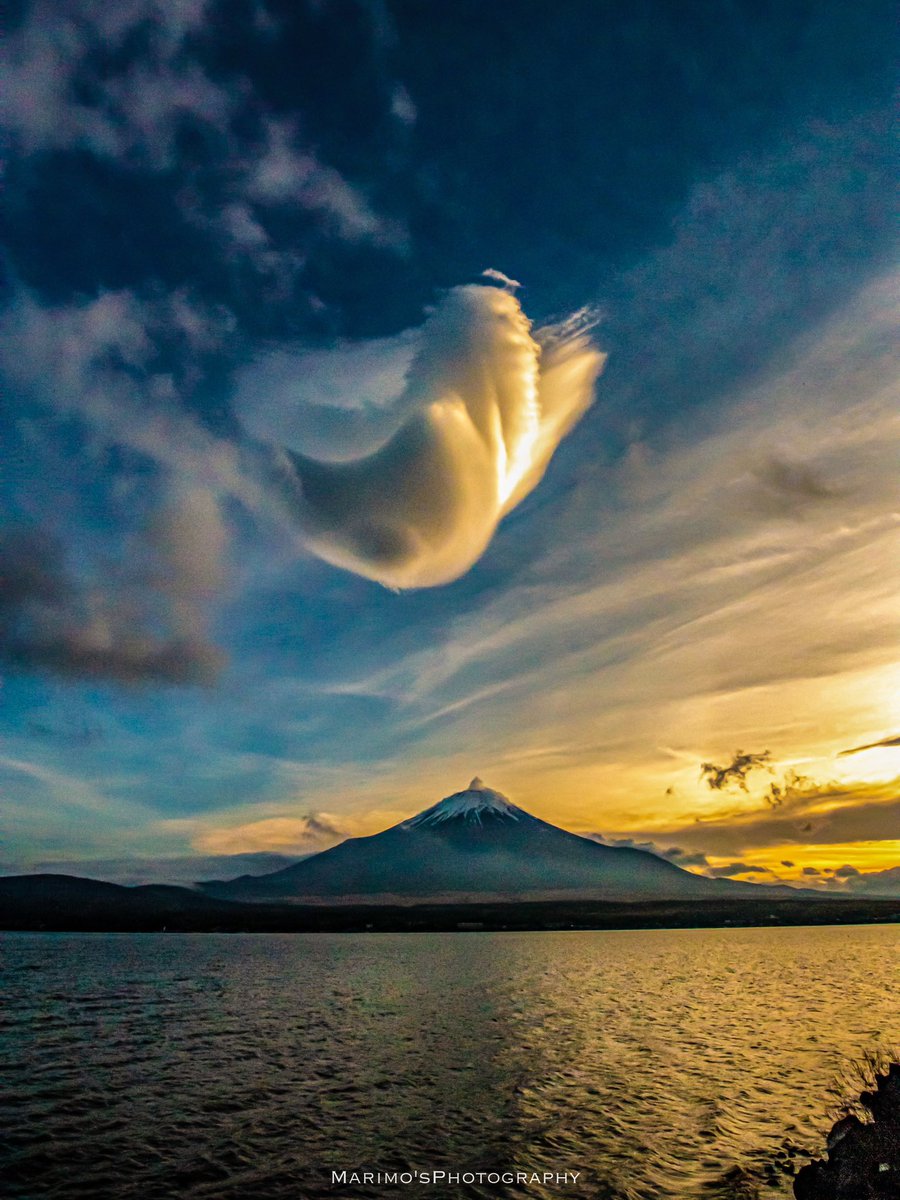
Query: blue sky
column 245, row 248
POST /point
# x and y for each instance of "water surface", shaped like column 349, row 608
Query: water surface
column 659, row 1064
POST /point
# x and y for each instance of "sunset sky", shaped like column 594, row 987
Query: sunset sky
column 398, row 392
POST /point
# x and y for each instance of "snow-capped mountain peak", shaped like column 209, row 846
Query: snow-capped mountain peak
column 477, row 803
column 477, row 844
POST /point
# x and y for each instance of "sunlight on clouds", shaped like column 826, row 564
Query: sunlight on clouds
column 875, row 764
column 827, row 857
column 486, row 402
column 747, row 597
column 300, row 834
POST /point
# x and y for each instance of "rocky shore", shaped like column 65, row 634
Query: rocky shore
column 863, row 1161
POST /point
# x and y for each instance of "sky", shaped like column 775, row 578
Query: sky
column 398, row 392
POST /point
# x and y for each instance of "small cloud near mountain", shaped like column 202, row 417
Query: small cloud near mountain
column 730, row 870
column 286, row 835
column 673, row 854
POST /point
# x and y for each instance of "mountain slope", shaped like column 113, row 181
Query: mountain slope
column 476, row 843
column 71, row 902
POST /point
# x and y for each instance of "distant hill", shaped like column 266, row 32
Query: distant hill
column 476, row 844
column 62, row 902
column 66, row 901
column 180, row 871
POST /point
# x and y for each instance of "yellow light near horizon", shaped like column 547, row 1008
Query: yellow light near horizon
column 865, row 856
column 878, row 765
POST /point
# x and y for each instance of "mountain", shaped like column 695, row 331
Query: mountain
column 70, row 902
column 174, row 871
column 472, row 845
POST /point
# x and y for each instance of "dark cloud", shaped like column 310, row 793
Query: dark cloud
column 842, row 879
column 793, row 479
column 875, row 883
column 888, row 741
column 848, row 880
column 685, row 858
column 674, row 854
column 793, row 784
column 774, row 796
column 734, row 773
column 812, row 813
column 786, row 488
column 319, row 825
column 50, row 622
column 735, row 868
column 81, row 734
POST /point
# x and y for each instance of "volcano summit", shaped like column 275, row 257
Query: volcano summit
column 476, row 845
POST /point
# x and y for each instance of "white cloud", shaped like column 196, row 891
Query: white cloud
column 70, row 358
column 136, row 110
column 283, row 172
column 335, row 404
column 499, row 277
column 489, row 402
column 146, row 616
column 402, row 106
column 133, row 111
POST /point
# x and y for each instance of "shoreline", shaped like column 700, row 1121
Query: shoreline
column 67, row 904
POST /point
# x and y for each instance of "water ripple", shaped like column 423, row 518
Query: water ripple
column 662, row 1065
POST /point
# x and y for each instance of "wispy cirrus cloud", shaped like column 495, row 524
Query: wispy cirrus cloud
column 670, row 589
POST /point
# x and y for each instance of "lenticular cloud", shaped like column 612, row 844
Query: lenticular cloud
column 484, row 403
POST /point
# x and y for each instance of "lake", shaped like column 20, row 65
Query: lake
column 655, row 1064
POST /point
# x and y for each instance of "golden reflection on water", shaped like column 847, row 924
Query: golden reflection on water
column 660, row 1064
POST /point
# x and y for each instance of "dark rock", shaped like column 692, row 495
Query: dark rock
column 863, row 1160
